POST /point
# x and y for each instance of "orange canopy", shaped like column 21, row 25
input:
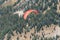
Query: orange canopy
column 28, row 12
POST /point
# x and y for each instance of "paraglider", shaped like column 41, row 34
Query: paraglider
column 28, row 12
column 23, row 14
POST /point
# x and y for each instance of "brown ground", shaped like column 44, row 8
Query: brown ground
column 48, row 32
column 9, row 3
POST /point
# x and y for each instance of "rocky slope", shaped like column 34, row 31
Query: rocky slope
column 46, row 32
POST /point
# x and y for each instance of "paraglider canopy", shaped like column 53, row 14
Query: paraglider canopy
column 28, row 12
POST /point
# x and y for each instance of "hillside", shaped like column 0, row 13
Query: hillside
column 47, row 32
column 13, row 27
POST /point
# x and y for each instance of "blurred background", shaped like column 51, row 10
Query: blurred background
column 48, row 19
